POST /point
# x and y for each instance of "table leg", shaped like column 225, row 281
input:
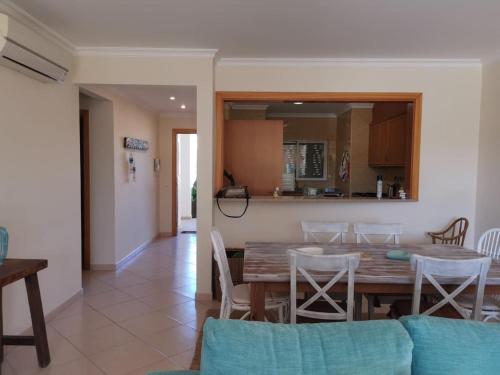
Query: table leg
column 37, row 320
column 358, row 306
column 371, row 306
column 257, row 301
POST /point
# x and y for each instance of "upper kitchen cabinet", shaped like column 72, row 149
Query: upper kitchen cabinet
column 389, row 135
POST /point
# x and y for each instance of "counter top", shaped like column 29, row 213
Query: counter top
column 301, row 199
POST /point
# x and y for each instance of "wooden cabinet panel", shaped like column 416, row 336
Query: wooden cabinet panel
column 389, row 142
column 396, row 141
column 253, row 153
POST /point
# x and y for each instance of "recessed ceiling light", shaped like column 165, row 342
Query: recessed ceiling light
column 183, row 106
column 298, row 103
column 172, row 98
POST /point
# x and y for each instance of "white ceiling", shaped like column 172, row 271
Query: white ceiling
column 282, row 28
column 157, row 98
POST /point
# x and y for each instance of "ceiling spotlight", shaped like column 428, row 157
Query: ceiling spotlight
column 172, row 98
column 298, row 103
column 183, row 106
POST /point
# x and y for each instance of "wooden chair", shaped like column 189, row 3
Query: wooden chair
column 488, row 245
column 385, row 233
column 324, row 231
column 338, row 265
column 454, row 234
column 472, row 270
column 237, row 297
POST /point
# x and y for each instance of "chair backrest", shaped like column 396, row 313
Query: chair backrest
column 220, row 255
column 324, row 231
column 367, row 232
column 489, row 243
column 473, row 270
column 454, row 234
column 338, row 266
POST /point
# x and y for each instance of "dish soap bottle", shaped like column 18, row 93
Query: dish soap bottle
column 380, row 186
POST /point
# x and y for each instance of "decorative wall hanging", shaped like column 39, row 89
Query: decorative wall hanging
column 135, row 144
column 131, row 167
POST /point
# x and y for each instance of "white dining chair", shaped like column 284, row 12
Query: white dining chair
column 488, row 245
column 384, row 233
column 337, row 266
column 324, row 231
column 474, row 271
column 237, row 297
column 368, row 233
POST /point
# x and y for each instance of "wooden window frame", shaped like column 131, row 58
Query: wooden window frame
column 356, row 97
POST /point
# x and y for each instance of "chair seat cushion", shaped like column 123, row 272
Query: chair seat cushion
column 489, row 303
column 448, row 346
column 372, row 347
column 241, row 294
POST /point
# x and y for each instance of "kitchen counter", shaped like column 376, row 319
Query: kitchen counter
column 318, row 199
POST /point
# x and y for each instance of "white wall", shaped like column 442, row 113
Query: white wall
column 167, row 123
column 449, row 147
column 135, row 202
column 488, row 204
column 40, row 188
column 102, row 182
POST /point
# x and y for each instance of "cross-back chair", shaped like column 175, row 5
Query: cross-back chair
column 337, row 266
column 474, row 271
column 488, row 245
column 324, row 231
column 367, row 233
column 237, row 297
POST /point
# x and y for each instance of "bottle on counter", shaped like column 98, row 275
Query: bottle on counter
column 380, row 186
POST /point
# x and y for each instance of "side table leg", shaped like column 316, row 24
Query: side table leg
column 1, row 330
column 37, row 320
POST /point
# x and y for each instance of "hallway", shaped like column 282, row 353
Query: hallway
column 139, row 318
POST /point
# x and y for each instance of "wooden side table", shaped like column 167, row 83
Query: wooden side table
column 13, row 270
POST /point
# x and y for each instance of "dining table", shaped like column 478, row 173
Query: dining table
column 266, row 270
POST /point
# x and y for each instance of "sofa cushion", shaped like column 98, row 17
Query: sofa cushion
column 449, row 346
column 244, row 348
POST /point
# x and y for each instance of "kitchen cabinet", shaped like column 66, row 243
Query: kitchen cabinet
column 253, row 153
column 388, row 142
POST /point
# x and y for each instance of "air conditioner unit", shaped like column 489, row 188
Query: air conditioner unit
column 28, row 52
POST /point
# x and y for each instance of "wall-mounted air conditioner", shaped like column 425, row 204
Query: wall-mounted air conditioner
column 28, row 52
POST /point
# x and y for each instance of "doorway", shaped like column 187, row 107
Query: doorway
column 184, row 192
column 85, row 187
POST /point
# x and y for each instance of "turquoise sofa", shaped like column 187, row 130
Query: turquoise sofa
column 414, row 345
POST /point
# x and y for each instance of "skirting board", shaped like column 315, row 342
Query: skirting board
column 165, row 234
column 131, row 255
column 63, row 306
column 203, row 296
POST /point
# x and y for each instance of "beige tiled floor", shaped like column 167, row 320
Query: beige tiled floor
column 140, row 318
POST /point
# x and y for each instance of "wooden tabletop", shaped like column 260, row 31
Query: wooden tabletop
column 268, row 261
column 16, row 269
